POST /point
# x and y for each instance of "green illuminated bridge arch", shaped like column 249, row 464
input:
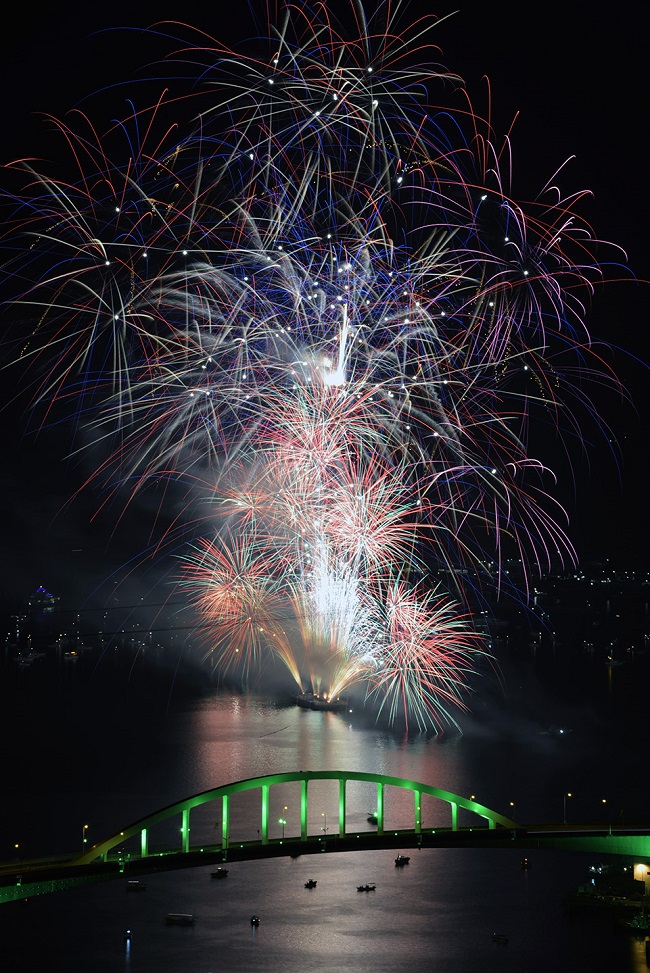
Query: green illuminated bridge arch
column 108, row 859
column 263, row 784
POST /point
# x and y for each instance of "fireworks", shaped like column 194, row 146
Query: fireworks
column 319, row 308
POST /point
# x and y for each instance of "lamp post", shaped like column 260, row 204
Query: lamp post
column 283, row 820
column 514, row 808
column 84, row 839
column 568, row 794
column 324, row 828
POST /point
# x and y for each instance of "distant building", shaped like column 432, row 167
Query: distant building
column 42, row 601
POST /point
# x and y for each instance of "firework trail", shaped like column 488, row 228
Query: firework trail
column 319, row 307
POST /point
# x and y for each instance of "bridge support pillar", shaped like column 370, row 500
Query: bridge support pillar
column 144, row 849
column 304, row 810
column 265, row 814
column 225, row 822
column 380, row 807
column 342, row 785
column 185, row 828
column 417, row 798
column 454, row 816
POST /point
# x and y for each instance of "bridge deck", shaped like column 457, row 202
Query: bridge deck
column 25, row 879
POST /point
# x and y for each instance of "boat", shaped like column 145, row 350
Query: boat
column 402, row 860
column 255, row 920
column 525, row 863
column 133, row 885
column 219, row 873
column 613, row 656
column 180, row 919
column 555, row 730
column 499, row 937
column 314, row 701
column 369, row 887
column 311, row 884
column 612, row 662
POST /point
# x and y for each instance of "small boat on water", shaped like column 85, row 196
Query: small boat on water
column 311, row 884
column 317, row 702
column 555, row 730
column 369, row 887
column 402, row 860
column 525, row 863
column 180, row 919
column 219, row 873
column 133, row 885
column 255, row 920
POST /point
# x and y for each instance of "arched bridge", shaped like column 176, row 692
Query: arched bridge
column 222, row 796
column 481, row 827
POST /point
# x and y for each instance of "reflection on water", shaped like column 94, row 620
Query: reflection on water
column 439, row 912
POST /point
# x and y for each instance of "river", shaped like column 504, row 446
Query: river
column 105, row 745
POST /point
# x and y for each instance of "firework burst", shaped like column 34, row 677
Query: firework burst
column 319, row 307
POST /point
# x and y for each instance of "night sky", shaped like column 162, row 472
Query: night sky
column 577, row 74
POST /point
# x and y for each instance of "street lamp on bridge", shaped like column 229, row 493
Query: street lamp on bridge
column 283, row 820
column 568, row 794
column 324, row 828
column 84, row 839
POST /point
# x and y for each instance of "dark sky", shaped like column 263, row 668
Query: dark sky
column 578, row 75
